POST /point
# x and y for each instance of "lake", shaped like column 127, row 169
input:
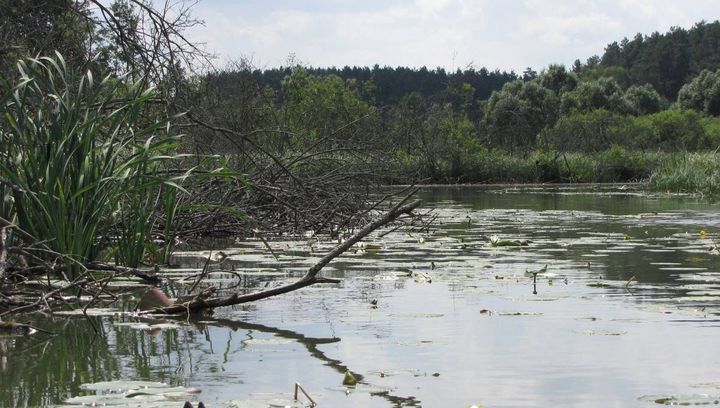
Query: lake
column 625, row 314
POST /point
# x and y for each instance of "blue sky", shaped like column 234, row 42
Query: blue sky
column 503, row 34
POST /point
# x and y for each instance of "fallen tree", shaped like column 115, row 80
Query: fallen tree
column 310, row 278
column 29, row 289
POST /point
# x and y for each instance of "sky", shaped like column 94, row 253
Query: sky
column 496, row 34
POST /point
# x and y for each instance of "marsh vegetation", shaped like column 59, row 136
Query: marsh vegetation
column 130, row 161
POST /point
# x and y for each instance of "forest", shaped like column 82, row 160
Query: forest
column 645, row 110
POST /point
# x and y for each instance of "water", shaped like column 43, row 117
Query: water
column 625, row 314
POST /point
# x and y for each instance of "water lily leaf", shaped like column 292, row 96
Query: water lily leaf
column 690, row 399
column 115, row 399
column 121, row 385
column 93, row 312
column 362, row 389
column 267, row 342
column 146, row 326
column 266, row 403
column 519, row 314
column 591, row 332
column 416, row 315
column 715, row 384
column 349, row 380
column 132, row 394
column 372, row 247
column 392, row 372
column 422, row 277
column 415, row 343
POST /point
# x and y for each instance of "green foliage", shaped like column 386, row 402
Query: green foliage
column 693, row 172
column 558, row 79
column 643, row 100
column 391, row 84
column 516, row 114
column 602, row 93
column 592, row 131
column 711, row 125
column 79, row 158
column 598, row 130
column 39, row 27
column 618, row 74
column 317, row 108
column 702, row 93
column 671, row 130
column 432, row 140
column 665, row 60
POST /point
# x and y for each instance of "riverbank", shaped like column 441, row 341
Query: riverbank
column 681, row 172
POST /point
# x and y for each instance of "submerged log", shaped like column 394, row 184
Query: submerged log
column 310, row 278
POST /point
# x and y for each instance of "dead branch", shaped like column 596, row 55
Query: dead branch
column 142, row 274
column 3, row 251
column 310, row 278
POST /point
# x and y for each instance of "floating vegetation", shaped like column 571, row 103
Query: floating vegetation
column 93, row 312
column 592, row 332
column 394, row 372
column 148, row 326
column 690, row 399
column 266, row 403
column 416, row 315
column 495, row 241
column 267, row 342
column 349, row 379
column 132, row 394
column 715, row 384
column 519, row 314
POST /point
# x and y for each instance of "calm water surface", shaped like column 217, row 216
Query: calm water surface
column 628, row 307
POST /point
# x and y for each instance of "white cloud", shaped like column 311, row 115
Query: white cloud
column 431, row 6
column 505, row 35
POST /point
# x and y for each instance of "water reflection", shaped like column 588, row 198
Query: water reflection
column 631, row 289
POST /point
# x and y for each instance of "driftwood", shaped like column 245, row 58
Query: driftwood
column 310, row 278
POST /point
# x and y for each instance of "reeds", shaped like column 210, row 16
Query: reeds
column 689, row 172
column 79, row 160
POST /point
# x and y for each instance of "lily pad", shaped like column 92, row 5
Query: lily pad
column 147, row 326
column 416, row 315
column 519, row 314
column 92, row 312
column 266, row 403
column 132, row 394
column 591, row 332
column 392, row 372
column 267, row 342
column 715, row 384
column 116, row 386
column 689, row 399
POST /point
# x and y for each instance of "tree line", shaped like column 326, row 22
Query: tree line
column 656, row 92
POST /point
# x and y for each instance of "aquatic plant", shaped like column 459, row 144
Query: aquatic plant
column 80, row 159
column 688, row 172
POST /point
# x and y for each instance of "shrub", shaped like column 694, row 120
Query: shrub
column 672, row 130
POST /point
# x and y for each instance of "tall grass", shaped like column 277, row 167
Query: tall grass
column 689, row 172
column 79, row 159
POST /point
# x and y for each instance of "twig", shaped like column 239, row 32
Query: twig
column 301, row 389
column 144, row 275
